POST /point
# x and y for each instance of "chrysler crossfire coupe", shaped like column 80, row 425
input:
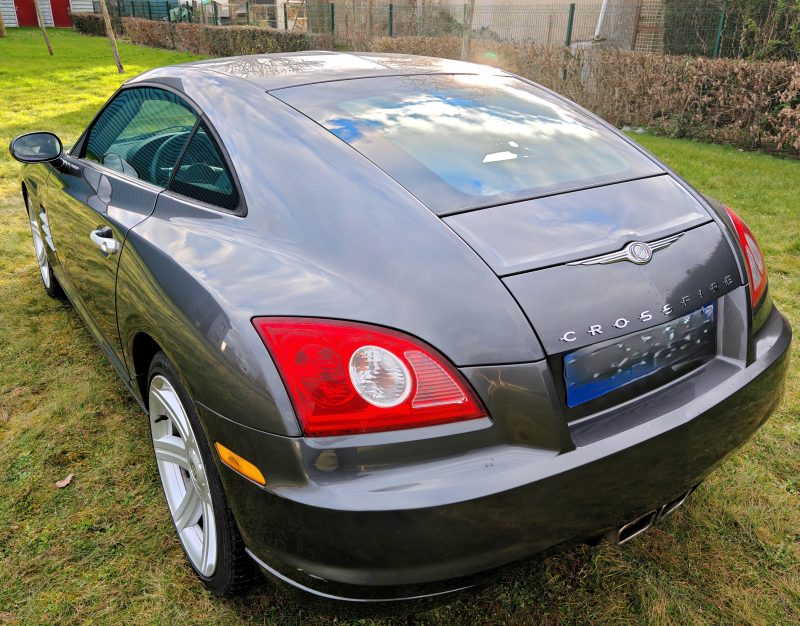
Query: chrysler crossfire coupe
column 399, row 321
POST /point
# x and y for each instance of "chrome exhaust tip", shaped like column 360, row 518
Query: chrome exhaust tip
column 642, row 523
column 670, row 507
column 632, row 529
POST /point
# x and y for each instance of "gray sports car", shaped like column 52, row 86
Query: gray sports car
column 398, row 321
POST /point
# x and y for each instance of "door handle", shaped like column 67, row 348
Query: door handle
column 103, row 238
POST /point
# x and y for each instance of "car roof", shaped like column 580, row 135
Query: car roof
column 277, row 71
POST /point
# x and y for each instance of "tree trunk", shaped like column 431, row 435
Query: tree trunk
column 41, row 25
column 111, row 37
column 2, row 26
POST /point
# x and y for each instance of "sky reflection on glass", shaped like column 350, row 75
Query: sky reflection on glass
column 469, row 139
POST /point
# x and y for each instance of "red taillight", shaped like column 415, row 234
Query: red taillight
column 346, row 378
column 756, row 269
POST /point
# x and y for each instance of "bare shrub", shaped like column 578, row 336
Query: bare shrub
column 156, row 34
column 191, row 38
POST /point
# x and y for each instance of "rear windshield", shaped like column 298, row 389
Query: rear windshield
column 461, row 141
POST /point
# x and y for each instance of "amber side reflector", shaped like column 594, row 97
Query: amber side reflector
column 240, row 465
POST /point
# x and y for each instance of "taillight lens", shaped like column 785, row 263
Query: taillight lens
column 756, row 268
column 345, row 377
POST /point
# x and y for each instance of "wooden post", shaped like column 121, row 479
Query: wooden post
column 637, row 16
column 469, row 10
column 41, row 25
column 110, row 35
column 2, row 26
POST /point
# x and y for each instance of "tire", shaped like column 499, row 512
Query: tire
column 192, row 487
column 40, row 249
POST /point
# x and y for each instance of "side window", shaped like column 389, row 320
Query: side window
column 141, row 133
column 202, row 173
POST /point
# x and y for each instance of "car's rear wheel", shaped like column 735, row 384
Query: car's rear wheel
column 193, row 490
column 51, row 285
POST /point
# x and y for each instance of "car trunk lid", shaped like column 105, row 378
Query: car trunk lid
column 550, row 253
column 532, row 234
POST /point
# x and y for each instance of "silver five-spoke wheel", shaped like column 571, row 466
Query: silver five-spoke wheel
column 183, row 475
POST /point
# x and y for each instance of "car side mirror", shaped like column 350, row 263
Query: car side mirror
column 38, row 147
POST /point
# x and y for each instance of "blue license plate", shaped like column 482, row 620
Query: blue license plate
column 601, row 368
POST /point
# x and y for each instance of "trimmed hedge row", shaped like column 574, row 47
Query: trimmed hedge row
column 92, row 24
column 751, row 104
column 755, row 105
column 218, row 41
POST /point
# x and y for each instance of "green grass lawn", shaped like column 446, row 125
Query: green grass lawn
column 102, row 550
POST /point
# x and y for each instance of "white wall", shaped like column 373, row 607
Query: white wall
column 81, row 6
column 9, row 13
column 47, row 12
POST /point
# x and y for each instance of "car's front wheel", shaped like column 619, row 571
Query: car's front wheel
column 192, row 487
column 38, row 224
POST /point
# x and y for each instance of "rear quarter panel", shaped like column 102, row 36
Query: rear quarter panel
column 326, row 234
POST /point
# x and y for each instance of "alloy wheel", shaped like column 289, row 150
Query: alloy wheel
column 183, row 476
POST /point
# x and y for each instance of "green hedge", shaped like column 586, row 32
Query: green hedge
column 217, row 41
column 92, row 24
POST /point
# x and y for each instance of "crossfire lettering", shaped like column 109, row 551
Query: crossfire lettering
column 646, row 316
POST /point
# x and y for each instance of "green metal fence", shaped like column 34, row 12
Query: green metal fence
column 702, row 27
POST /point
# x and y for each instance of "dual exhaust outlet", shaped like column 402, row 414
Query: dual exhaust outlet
column 636, row 527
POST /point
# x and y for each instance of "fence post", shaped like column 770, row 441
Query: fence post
column 247, row 12
column 570, row 20
column 391, row 20
column 149, row 10
column 469, row 10
column 333, row 27
column 720, row 25
column 133, row 8
column 637, row 18
column 216, row 14
column 285, row 17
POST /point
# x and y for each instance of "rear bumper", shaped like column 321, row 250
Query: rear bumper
column 435, row 532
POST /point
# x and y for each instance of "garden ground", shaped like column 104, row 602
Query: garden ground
column 102, row 549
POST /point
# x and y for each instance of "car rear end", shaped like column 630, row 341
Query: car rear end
column 661, row 353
